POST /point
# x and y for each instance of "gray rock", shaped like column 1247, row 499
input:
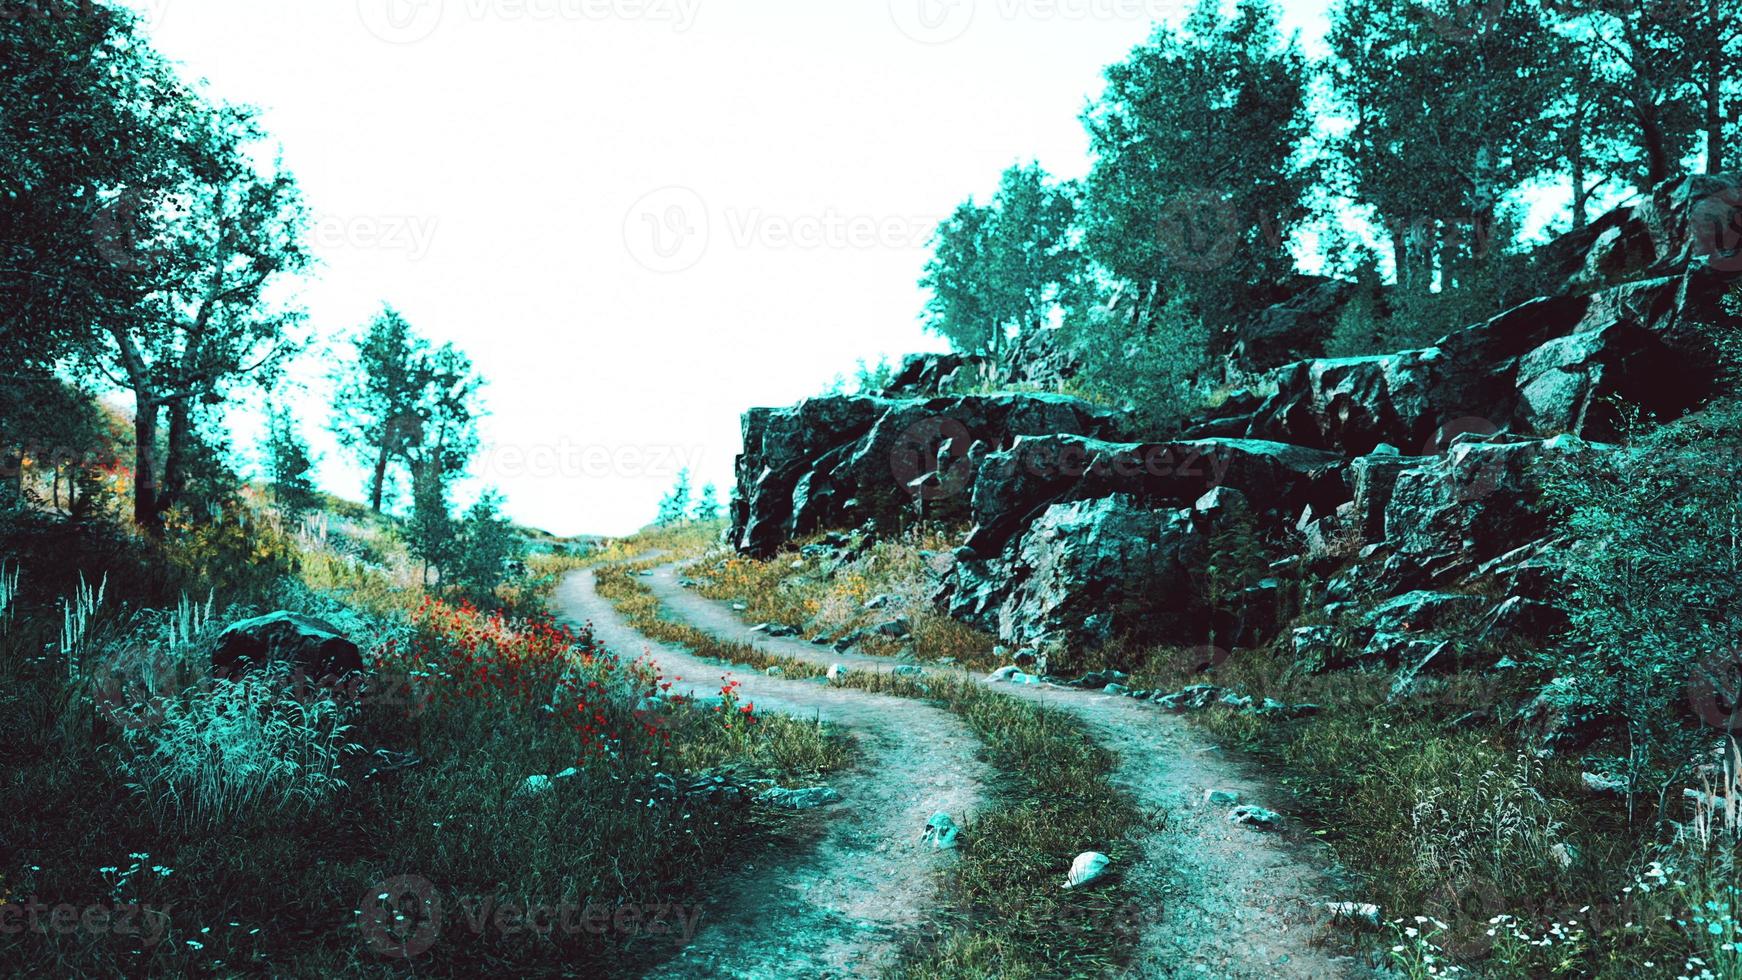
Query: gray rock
column 1252, row 815
column 1294, row 329
column 841, row 461
column 312, row 647
column 799, row 799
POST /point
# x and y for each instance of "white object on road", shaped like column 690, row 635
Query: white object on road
column 1001, row 674
column 1088, row 866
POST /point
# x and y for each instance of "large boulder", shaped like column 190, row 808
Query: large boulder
column 1446, row 514
column 1293, row 330
column 1084, row 573
column 1013, row 487
column 1683, row 221
column 843, row 461
column 1351, row 405
column 1552, row 365
column 312, row 647
column 934, row 375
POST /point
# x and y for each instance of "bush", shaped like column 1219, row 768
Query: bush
column 237, row 749
column 1651, row 568
column 1156, row 375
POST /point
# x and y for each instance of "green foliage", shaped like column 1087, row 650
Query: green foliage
column 1197, row 184
column 486, row 548
column 1150, row 370
column 288, row 465
column 1235, row 560
column 232, row 751
column 1446, row 122
column 708, row 505
column 400, row 402
column 674, row 508
column 1001, row 270
column 1651, row 580
column 430, row 533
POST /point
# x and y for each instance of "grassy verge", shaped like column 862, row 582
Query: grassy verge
column 1006, row 914
column 160, row 822
column 1514, row 868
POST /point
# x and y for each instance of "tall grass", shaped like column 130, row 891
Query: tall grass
column 9, row 577
column 77, row 616
column 238, row 750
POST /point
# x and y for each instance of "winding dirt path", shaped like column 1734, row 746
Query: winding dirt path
column 1220, row 900
column 843, row 907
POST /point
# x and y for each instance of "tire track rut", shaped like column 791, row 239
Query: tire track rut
column 844, row 906
column 1215, row 899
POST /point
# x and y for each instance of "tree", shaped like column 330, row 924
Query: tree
column 377, row 395
column 1666, row 74
column 708, row 507
column 487, row 544
column 430, row 533
column 85, row 98
column 288, row 465
column 1197, row 185
column 1152, row 373
column 1000, row 271
column 1447, row 126
column 400, row 402
column 206, row 246
column 675, row 507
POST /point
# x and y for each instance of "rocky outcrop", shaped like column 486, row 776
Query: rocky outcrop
column 1087, row 570
column 1012, row 487
column 843, row 461
column 1293, row 330
column 935, row 375
column 1394, row 479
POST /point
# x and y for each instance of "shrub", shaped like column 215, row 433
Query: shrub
column 237, row 749
column 1651, row 567
column 1156, row 375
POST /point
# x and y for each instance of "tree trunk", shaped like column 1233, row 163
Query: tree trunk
column 378, row 480
column 145, row 512
column 1576, row 155
column 1653, row 142
column 1714, row 87
column 173, row 481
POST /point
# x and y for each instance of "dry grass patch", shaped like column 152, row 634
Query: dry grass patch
column 796, row 590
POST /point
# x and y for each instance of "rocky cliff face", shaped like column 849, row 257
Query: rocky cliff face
column 1398, row 478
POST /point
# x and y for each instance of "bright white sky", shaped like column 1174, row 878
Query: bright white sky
column 641, row 217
